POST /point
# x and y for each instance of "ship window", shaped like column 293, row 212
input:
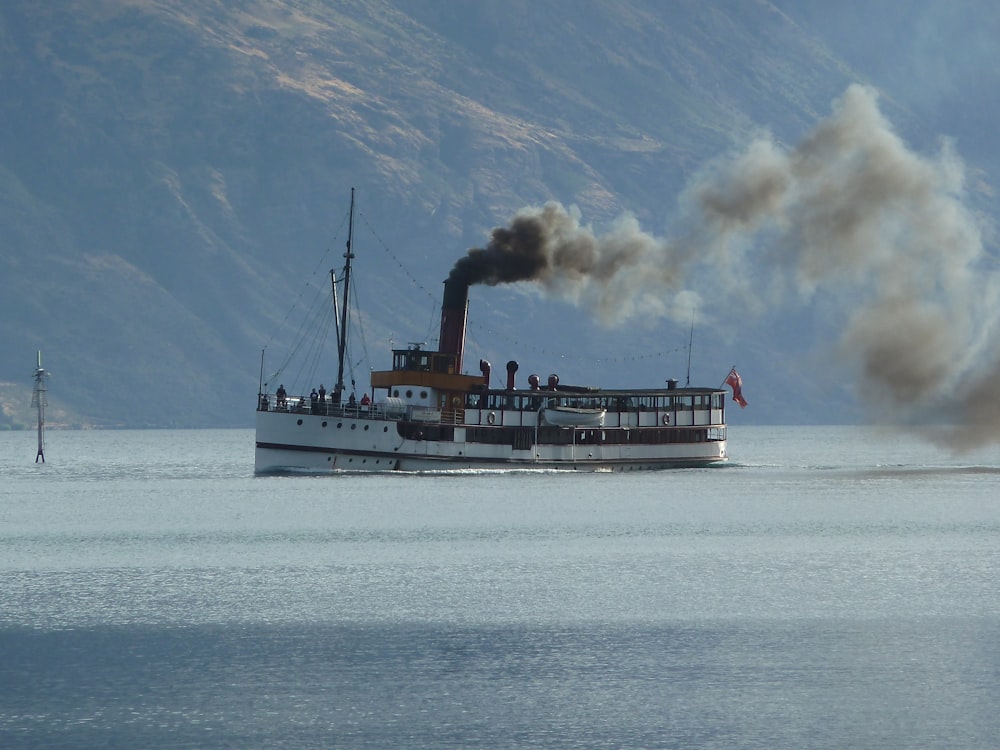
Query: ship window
column 423, row 394
column 414, row 359
column 409, row 394
column 395, row 393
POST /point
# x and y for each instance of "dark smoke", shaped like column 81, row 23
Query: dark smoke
column 514, row 253
column 851, row 210
column 614, row 274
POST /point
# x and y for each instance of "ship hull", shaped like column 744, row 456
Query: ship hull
column 289, row 442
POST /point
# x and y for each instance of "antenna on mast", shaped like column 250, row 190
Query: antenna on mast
column 690, row 346
column 38, row 400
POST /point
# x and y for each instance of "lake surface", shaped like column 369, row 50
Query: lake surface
column 829, row 588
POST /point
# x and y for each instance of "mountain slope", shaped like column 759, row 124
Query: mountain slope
column 172, row 172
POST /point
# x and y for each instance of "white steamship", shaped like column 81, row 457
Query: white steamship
column 426, row 414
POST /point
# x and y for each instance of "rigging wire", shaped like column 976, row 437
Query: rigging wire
column 434, row 316
column 314, row 313
column 396, row 260
column 311, row 314
column 435, row 300
column 494, row 335
column 319, row 343
column 360, row 324
column 320, row 264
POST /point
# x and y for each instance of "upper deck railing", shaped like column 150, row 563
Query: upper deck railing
column 325, row 407
column 524, row 409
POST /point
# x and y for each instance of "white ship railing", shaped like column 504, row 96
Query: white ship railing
column 326, row 408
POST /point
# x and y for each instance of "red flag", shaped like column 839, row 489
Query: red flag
column 734, row 381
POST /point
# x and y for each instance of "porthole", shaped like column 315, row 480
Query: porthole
column 366, row 427
column 409, row 394
column 354, row 425
column 339, row 425
column 395, row 393
column 423, row 394
column 298, row 422
column 324, row 424
column 385, row 429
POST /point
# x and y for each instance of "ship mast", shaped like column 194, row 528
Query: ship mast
column 342, row 333
column 690, row 346
column 38, row 401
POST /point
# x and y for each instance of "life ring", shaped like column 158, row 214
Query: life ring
column 666, row 419
column 456, row 401
column 492, row 418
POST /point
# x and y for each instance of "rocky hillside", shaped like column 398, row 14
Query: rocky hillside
column 175, row 178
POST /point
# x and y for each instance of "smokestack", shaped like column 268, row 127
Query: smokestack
column 454, row 312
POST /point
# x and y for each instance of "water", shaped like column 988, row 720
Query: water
column 831, row 588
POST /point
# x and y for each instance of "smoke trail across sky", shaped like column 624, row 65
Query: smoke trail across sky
column 850, row 209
